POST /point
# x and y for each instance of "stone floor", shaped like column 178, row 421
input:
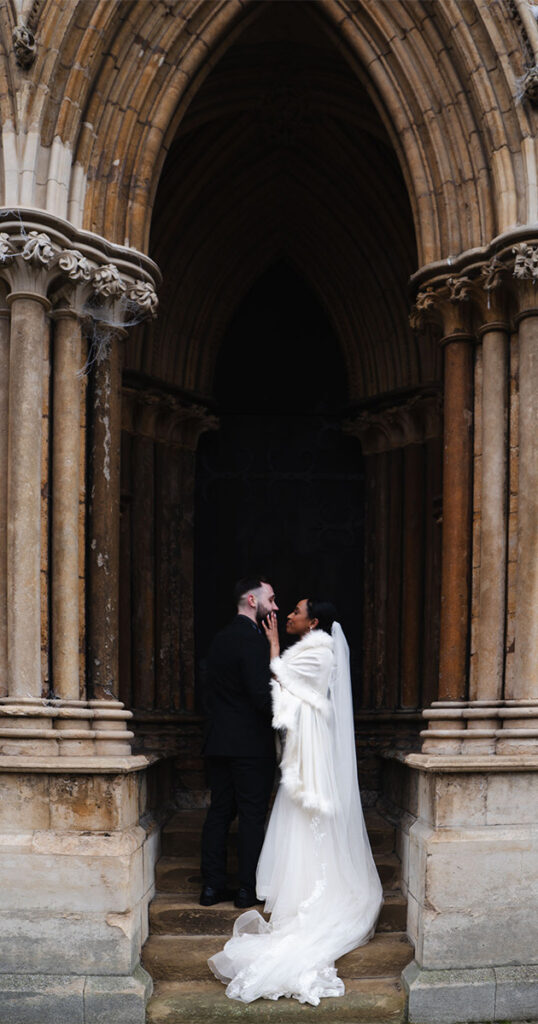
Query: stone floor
column 183, row 935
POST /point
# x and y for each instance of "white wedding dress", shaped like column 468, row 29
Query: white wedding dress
column 316, row 872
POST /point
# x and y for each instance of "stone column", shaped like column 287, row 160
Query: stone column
column 28, row 326
column 520, row 714
column 456, row 549
column 413, row 574
column 526, row 678
column 493, row 525
column 65, row 510
column 104, row 507
column 4, row 424
column 41, row 273
column 451, row 304
column 381, row 581
column 143, row 573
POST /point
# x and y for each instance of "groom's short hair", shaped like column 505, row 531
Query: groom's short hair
column 246, row 585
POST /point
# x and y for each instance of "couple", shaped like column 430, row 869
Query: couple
column 315, row 872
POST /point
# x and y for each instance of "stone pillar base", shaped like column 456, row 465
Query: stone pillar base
column 78, row 846
column 64, row 999
column 468, row 843
column 478, row 727
column 483, row 994
column 30, row 726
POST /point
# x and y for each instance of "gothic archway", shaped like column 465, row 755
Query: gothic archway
column 282, row 161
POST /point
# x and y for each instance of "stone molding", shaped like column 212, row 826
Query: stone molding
column 165, row 418
column 499, row 253
column 415, row 421
column 48, row 257
column 466, row 305
column 486, row 294
column 66, row 728
column 481, row 726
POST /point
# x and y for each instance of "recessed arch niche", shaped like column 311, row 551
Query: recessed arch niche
column 281, row 165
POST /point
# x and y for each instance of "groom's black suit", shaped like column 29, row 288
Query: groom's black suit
column 239, row 747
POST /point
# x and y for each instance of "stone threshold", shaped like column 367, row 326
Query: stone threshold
column 471, row 763
column 120, row 764
column 464, row 763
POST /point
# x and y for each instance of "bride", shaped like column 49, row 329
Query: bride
column 316, row 872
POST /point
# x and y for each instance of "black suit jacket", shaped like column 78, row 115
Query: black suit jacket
column 238, row 693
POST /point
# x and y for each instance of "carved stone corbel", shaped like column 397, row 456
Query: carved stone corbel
column 526, row 261
column 415, row 421
column 24, row 46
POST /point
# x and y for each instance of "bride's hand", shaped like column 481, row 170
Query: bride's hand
column 270, row 628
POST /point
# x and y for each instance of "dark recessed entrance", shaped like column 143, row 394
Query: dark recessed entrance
column 279, row 486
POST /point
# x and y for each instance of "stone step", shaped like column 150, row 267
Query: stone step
column 368, row 1001
column 173, row 914
column 184, row 957
column 181, row 835
column 182, row 874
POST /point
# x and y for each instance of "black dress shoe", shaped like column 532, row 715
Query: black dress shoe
column 246, row 898
column 209, row 896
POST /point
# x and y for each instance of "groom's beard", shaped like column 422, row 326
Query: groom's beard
column 262, row 611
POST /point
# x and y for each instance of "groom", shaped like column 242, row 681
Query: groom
column 239, row 744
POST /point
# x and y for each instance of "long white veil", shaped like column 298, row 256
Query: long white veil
column 350, row 825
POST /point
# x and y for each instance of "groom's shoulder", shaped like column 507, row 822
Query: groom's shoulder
column 240, row 628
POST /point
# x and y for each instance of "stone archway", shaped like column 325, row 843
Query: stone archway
column 99, row 121
column 301, row 169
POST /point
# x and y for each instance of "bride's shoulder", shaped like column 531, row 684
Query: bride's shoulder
column 317, row 640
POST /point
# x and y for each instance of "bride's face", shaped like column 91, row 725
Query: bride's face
column 298, row 623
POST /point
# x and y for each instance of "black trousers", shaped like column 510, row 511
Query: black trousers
column 242, row 786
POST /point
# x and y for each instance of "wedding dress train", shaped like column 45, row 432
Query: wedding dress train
column 316, row 871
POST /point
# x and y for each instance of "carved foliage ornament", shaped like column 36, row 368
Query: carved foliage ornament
column 144, row 297
column 38, row 251
column 526, row 261
column 459, row 289
column 6, row 247
column 108, row 282
column 425, row 302
column 491, row 273
column 490, row 277
column 75, row 265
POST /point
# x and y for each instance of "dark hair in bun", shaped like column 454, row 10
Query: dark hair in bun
column 323, row 611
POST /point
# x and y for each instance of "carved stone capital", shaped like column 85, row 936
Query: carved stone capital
column 165, row 418
column 414, row 421
column 81, row 277
column 463, row 305
column 424, row 309
column 447, row 304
